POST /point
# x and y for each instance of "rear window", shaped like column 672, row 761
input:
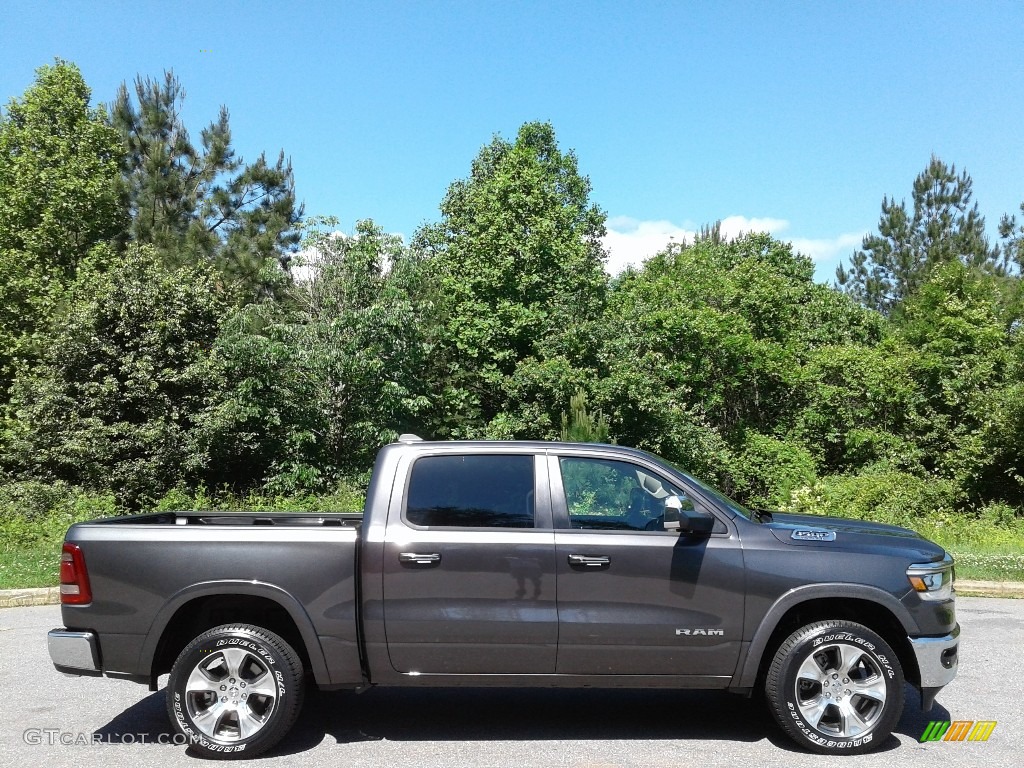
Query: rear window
column 471, row 492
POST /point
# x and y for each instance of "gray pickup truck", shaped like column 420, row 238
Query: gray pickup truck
column 511, row 564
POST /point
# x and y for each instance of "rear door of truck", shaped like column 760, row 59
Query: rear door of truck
column 469, row 565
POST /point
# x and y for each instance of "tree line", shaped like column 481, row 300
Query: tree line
column 170, row 318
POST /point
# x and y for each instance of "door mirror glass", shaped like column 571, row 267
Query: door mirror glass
column 681, row 516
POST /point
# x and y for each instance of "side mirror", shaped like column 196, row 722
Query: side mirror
column 681, row 516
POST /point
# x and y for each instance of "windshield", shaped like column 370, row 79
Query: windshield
column 714, row 493
column 720, row 497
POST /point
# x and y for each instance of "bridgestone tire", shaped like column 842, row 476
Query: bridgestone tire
column 836, row 688
column 235, row 691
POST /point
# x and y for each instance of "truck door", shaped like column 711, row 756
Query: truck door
column 469, row 567
column 634, row 599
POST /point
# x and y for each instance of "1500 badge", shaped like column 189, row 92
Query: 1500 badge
column 804, row 534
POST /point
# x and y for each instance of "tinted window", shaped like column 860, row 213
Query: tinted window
column 472, row 492
column 614, row 495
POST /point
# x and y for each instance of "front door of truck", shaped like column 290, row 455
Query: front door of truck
column 469, row 567
column 634, row 599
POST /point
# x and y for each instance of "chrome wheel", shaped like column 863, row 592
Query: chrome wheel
column 835, row 687
column 231, row 694
column 840, row 690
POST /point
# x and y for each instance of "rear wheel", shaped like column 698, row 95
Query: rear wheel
column 835, row 687
column 235, row 691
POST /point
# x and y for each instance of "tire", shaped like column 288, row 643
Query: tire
column 235, row 691
column 836, row 688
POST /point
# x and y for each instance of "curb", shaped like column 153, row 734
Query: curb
column 18, row 598
column 990, row 588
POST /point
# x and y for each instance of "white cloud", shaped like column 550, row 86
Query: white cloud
column 828, row 250
column 630, row 241
column 734, row 226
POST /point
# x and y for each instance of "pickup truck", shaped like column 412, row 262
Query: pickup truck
column 511, row 564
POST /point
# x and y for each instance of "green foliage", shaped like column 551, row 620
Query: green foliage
column 769, row 469
column 58, row 198
column 860, row 406
column 581, row 425
column 515, row 280
column 203, row 203
column 880, row 493
column 343, row 498
column 34, row 512
column 943, row 227
column 954, row 325
column 709, row 341
column 113, row 400
column 1012, row 235
column 313, row 388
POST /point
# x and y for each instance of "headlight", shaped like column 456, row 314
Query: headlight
column 932, row 581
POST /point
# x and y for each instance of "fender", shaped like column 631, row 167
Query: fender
column 750, row 661
column 234, row 587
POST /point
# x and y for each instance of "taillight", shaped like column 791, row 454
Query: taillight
column 74, row 580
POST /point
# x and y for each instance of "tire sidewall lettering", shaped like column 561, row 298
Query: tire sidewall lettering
column 179, row 710
column 802, row 645
column 808, row 730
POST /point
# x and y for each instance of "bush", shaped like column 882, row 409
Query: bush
column 882, row 494
column 344, row 498
column 768, row 470
column 37, row 512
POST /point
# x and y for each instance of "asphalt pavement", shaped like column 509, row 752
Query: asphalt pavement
column 48, row 719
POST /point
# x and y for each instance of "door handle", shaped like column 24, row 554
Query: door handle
column 590, row 561
column 418, row 558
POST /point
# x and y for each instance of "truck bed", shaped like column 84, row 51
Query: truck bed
column 149, row 570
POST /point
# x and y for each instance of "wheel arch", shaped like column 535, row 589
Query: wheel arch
column 873, row 608
column 200, row 607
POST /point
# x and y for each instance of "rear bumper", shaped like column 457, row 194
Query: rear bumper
column 937, row 658
column 76, row 653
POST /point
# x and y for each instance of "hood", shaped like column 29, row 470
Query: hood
column 824, row 532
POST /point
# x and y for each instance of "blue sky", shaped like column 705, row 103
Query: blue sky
column 795, row 117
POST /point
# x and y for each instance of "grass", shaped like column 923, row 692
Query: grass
column 985, row 549
column 990, row 566
column 30, row 565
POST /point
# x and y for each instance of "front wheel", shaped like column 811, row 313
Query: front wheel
column 235, row 691
column 835, row 687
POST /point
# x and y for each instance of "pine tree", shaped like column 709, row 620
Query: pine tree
column 203, row 203
column 943, row 227
column 581, row 425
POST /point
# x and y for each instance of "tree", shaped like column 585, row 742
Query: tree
column 581, row 425
column 705, row 347
column 203, row 203
column 517, row 285
column 1012, row 235
column 315, row 386
column 58, row 198
column 963, row 354
column 125, row 377
column 943, row 227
